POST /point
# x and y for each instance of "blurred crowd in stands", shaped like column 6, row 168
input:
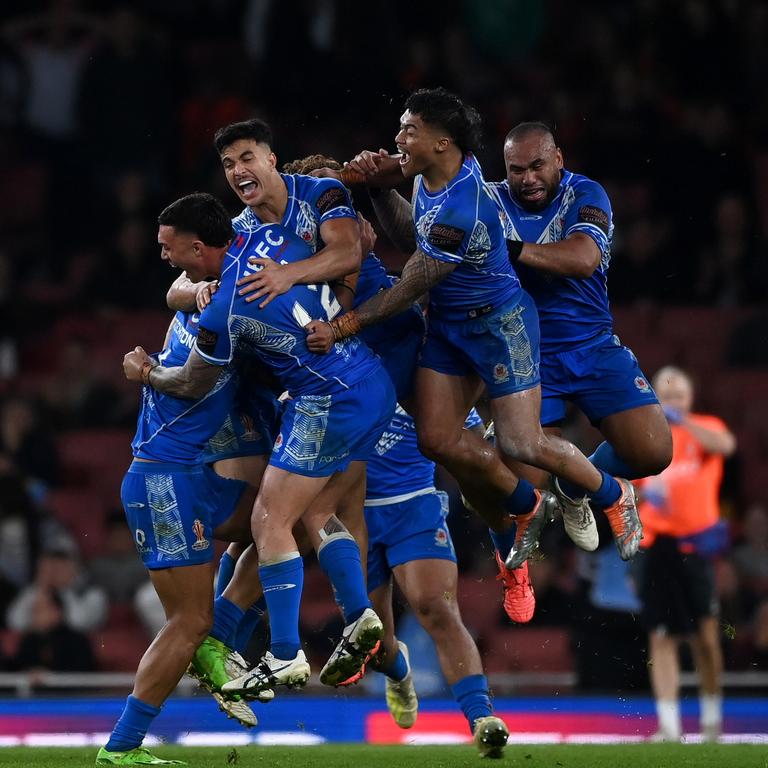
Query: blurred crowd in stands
column 107, row 111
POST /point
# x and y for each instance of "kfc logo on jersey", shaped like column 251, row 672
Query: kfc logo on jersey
column 500, row 373
column 278, row 441
column 441, row 537
column 642, row 384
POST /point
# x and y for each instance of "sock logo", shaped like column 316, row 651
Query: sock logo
column 278, row 587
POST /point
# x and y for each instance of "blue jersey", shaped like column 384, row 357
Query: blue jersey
column 275, row 334
column 571, row 311
column 373, row 278
column 397, row 469
column 171, row 429
column 460, row 223
column 311, row 202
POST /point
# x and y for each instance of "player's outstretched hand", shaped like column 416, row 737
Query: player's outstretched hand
column 205, row 294
column 133, row 363
column 270, row 281
column 367, row 234
column 319, row 337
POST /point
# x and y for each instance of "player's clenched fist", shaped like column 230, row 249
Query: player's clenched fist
column 319, row 337
column 137, row 364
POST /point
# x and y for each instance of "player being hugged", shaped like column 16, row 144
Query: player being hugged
column 483, row 328
column 339, row 407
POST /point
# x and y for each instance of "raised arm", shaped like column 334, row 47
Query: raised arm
column 420, row 273
column 395, row 216
column 186, row 296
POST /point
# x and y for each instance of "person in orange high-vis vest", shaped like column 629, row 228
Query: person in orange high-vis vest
column 675, row 576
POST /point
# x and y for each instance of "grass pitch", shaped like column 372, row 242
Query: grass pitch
column 362, row 756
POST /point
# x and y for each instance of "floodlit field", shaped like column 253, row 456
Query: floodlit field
column 348, row 756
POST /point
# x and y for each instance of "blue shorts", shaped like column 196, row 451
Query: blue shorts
column 398, row 533
column 250, row 428
column 601, row 378
column 173, row 509
column 397, row 342
column 501, row 346
column 321, row 434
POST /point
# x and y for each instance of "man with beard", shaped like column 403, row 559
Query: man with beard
column 559, row 226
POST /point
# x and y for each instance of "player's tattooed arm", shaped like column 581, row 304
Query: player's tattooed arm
column 420, row 273
column 190, row 381
column 396, row 218
column 577, row 256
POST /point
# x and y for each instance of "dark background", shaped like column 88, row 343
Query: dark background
column 107, row 111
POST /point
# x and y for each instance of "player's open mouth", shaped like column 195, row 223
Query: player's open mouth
column 404, row 157
column 533, row 194
column 248, row 188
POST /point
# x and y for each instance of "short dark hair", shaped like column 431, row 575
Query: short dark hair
column 255, row 129
column 437, row 106
column 199, row 214
column 521, row 130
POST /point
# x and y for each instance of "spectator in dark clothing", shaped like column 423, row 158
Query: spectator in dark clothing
column 50, row 644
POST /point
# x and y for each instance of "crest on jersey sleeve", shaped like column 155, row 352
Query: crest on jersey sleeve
column 479, row 244
column 306, row 224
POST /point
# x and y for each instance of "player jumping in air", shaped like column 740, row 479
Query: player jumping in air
column 559, row 226
column 482, row 327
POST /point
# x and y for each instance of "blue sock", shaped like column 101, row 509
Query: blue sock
column 282, row 583
column 226, row 571
column 132, row 726
column 397, row 669
column 503, row 540
column 607, row 459
column 471, row 693
column 608, row 492
column 522, row 500
column 240, row 637
column 226, row 617
column 339, row 557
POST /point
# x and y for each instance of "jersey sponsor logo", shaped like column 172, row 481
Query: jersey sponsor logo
column 206, row 340
column 186, row 338
column 278, row 441
column 201, row 542
column 500, row 373
column 591, row 214
column 141, row 541
column 330, row 199
column 441, row 537
column 445, row 237
column 642, row 384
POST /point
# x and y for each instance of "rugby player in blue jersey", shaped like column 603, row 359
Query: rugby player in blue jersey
column 319, row 211
column 327, row 425
column 482, row 328
column 409, row 539
column 560, row 228
column 239, row 450
column 175, row 504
